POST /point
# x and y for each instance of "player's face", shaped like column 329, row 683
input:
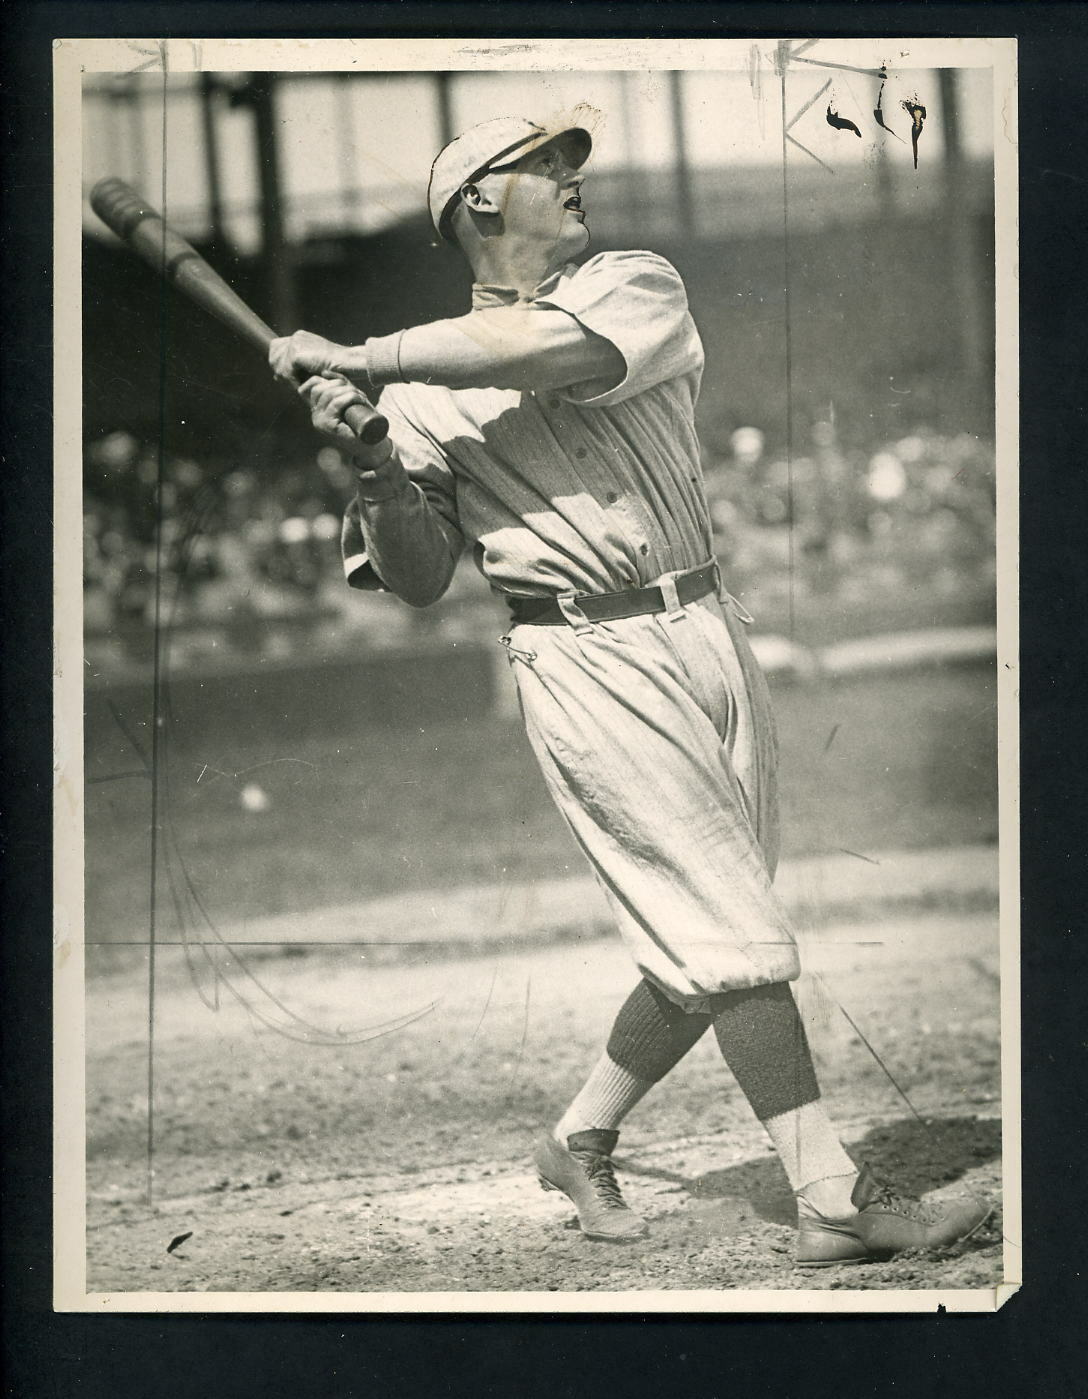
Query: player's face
column 540, row 200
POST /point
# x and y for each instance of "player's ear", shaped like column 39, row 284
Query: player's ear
column 477, row 200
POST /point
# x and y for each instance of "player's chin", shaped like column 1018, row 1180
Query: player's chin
column 575, row 235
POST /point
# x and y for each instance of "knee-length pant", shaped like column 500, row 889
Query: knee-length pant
column 656, row 739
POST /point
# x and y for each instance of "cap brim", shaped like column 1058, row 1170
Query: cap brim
column 581, row 143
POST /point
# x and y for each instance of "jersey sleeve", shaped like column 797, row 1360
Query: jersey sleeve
column 429, row 471
column 637, row 301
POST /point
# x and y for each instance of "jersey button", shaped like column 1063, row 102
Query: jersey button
column 581, row 454
column 611, row 497
column 553, row 403
column 644, row 548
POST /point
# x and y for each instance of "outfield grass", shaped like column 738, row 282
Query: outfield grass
column 882, row 762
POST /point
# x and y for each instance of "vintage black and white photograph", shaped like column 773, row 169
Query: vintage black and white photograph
column 535, row 827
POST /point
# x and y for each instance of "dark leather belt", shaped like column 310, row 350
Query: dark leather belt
column 612, row 607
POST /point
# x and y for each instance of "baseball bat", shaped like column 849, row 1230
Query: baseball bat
column 148, row 235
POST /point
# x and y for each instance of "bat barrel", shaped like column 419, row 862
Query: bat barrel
column 141, row 226
column 145, row 231
column 119, row 206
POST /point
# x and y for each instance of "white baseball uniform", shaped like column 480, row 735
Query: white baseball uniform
column 654, row 733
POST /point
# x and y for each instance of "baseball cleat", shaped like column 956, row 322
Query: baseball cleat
column 583, row 1171
column 885, row 1224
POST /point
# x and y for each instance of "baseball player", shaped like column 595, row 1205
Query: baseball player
column 552, row 428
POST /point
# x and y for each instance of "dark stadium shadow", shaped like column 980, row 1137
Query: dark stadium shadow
column 914, row 1157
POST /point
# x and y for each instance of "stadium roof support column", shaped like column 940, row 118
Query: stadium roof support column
column 966, row 322
column 685, row 204
column 632, row 184
column 275, row 252
column 134, row 103
column 208, row 91
column 350, row 192
column 443, row 82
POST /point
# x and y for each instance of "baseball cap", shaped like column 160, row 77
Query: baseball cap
column 485, row 147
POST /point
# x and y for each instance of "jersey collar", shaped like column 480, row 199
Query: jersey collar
column 485, row 296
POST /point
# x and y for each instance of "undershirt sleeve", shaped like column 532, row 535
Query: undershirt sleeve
column 441, row 541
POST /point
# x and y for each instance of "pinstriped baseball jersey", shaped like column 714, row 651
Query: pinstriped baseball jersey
column 591, row 488
column 654, row 734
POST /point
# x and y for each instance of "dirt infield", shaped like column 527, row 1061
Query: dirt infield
column 400, row 1165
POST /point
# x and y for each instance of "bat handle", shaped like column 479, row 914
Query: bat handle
column 367, row 423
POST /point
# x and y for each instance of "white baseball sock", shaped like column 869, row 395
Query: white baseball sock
column 817, row 1166
column 607, row 1097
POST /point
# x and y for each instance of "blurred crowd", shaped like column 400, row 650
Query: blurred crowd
column 249, row 562
column 846, row 523
column 246, row 562
column 229, row 537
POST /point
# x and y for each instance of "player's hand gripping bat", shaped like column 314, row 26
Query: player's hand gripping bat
column 136, row 223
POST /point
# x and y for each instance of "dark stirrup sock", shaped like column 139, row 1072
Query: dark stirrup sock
column 762, row 1039
column 651, row 1035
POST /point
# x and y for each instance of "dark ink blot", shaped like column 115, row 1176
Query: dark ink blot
column 878, row 110
column 841, row 123
column 917, row 114
column 879, row 115
column 178, row 1241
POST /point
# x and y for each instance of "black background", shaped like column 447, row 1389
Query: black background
column 1034, row 1345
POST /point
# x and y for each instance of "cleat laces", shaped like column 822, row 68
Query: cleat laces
column 920, row 1210
column 601, row 1175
